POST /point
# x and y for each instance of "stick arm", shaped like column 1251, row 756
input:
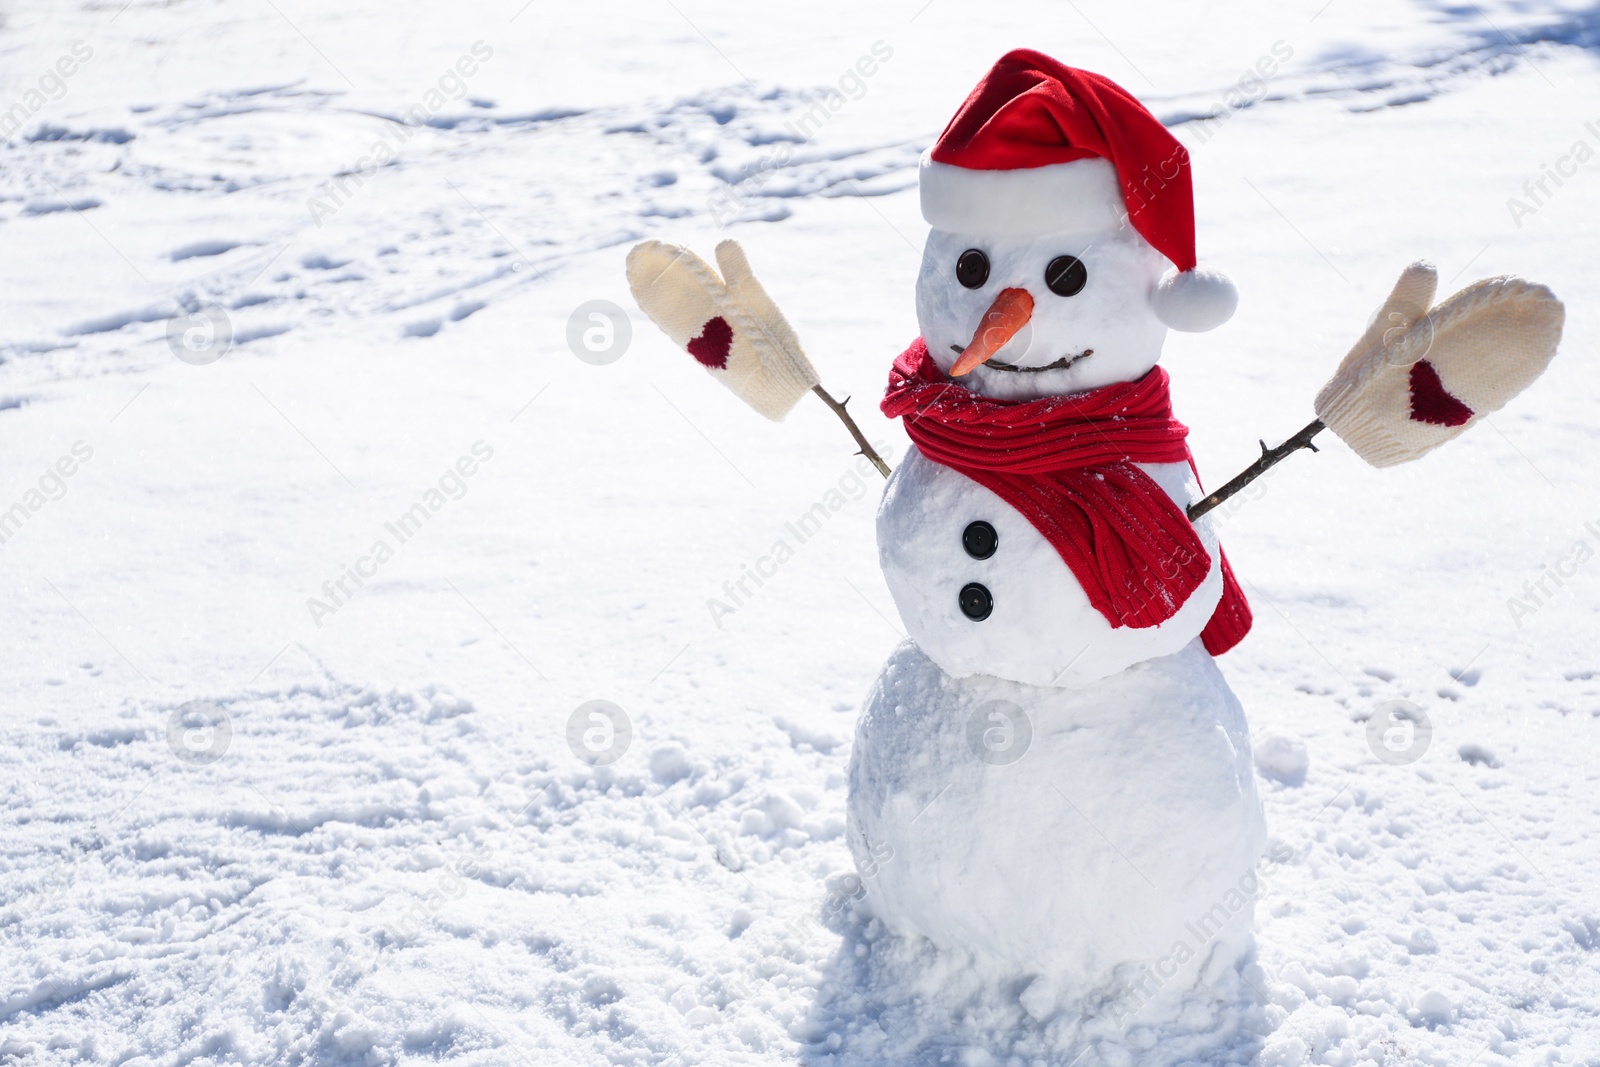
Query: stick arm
column 1269, row 458
column 837, row 407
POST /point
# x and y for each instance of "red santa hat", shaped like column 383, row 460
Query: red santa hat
column 1039, row 147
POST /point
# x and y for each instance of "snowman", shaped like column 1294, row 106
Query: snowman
column 1051, row 780
column 1056, row 764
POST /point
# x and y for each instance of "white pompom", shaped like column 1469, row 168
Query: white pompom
column 1195, row 301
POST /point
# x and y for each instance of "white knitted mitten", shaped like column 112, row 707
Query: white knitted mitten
column 1422, row 375
column 728, row 324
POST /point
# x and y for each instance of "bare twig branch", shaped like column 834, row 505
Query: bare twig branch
column 1269, row 457
column 855, row 431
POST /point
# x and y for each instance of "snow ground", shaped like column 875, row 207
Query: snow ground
column 395, row 857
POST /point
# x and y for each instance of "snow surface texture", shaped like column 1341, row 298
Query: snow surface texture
column 1043, row 630
column 397, row 857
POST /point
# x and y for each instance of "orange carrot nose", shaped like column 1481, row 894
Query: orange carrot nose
column 1009, row 313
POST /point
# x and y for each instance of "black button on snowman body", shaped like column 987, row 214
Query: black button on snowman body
column 980, row 541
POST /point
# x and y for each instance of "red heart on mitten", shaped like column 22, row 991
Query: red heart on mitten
column 1431, row 402
column 711, row 347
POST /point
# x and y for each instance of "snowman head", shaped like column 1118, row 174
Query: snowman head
column 1063, row 236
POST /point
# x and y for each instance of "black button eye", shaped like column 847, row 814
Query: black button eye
column 972, row 269
column 976, row 603
column 1066, row 276
column 980, row 540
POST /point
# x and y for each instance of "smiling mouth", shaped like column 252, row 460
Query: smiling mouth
column 1060, row 364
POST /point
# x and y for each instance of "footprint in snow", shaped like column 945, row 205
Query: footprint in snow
column 204, row 249
column 319, row 261
column 51, row 207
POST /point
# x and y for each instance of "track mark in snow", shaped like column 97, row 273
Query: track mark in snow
column 322, row 261
column 52, row 207
column 259, row 333
column 200, row 249
column 51, row 133
column 117, row 320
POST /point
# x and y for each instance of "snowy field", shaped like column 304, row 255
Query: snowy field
column 272, row 794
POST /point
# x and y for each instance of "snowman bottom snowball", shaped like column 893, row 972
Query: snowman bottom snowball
column 1072, row 835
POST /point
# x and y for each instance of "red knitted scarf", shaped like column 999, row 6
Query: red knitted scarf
column 1067, row 464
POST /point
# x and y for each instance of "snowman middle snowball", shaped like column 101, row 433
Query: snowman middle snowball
column 1062, row 611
